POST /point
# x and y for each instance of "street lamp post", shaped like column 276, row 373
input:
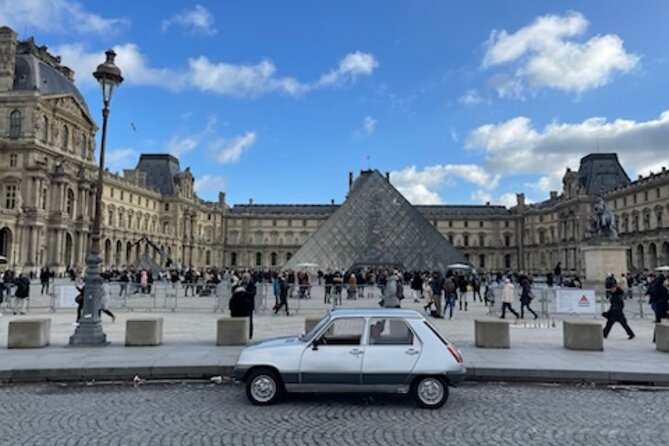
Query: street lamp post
column 89, row 331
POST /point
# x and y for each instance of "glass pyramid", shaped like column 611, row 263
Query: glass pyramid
column 376, row 227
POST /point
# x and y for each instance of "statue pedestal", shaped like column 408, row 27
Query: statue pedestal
column 600, row 259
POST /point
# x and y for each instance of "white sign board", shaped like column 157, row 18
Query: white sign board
column 67, row 295
column 575, row 301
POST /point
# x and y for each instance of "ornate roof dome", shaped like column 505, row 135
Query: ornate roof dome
column 37, row 70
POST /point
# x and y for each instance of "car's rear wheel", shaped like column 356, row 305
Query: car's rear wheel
column 430, row 392
column 263, row 387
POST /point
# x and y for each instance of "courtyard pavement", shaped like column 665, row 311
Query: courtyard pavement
column 189, row 349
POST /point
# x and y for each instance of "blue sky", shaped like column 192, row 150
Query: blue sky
column 462, row 101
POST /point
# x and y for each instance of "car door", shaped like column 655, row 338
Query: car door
column 335, row 356
column 391, row 352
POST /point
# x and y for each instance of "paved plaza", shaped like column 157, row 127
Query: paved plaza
column 189, row 349
column 209, row 414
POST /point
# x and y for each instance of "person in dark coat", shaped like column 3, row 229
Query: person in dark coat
column 658, row 298
column 241, row 305
column 283, row 294
column 526, row 297
column 615, row 313
column 21, row 294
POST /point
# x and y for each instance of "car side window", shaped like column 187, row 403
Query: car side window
column 389, row 331
column 343, row 331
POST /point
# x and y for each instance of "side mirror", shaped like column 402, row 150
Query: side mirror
column 315, row 344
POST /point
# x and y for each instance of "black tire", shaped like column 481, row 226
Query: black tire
column 430, row 392
column 264, row 387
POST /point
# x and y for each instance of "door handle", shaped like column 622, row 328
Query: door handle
column 411, row 351
column 356, row 352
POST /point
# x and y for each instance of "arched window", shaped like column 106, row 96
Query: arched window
column 69, row 207
column 273, row 258
column 233, row 259
column 65, row 138
column 15, row 124
column 45, row 129
column 207, row 257
column 258, row 259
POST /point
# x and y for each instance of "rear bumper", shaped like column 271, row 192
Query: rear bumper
column 455, row 378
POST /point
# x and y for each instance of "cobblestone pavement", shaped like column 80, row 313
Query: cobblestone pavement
column 208, row 414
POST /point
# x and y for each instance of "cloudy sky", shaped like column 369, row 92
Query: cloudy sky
column 462, row 101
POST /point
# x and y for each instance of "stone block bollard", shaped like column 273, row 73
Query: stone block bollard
column 583, row 335
column 490, row 333
column 232, row 331
column 662, row 337
column 29, row 333
column 144, row 332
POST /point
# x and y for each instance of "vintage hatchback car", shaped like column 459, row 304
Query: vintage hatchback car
column 355, row 350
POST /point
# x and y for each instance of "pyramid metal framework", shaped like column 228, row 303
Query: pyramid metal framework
column 376, row 227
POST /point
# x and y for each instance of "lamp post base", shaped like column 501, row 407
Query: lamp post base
column 88, row 334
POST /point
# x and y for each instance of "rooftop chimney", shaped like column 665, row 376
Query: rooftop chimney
column 553, row 194
column 332, row 202
column 388, row 177
column 8, row 50
column 520, row 199
column 250, row 201
column 350, row 180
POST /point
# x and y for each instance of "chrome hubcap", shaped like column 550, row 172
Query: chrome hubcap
column 263, row 388
column 430, row 391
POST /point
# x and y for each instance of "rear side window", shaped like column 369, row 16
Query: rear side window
column 388, row 331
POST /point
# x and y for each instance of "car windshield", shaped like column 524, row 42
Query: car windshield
column 311, row 333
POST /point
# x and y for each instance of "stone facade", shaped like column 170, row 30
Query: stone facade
column 48, row 175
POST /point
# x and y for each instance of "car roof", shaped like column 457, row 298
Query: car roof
column 376, row 312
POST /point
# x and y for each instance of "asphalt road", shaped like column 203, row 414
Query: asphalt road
column 209, row 414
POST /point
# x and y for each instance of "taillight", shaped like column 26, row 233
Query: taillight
column 454, row 351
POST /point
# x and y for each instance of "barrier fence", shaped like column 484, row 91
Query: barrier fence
column 165, row 296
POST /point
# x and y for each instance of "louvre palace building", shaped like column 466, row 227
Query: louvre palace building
column 48, row 175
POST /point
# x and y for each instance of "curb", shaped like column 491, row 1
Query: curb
column 474, row 374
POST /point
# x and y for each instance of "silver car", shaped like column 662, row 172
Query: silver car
column 355, row 350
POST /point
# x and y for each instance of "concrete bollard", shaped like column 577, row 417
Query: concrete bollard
column 144, row 332
column 583, row 335
column 29, row 333
column 232, row 331
column 491, row 333
column 662, row 337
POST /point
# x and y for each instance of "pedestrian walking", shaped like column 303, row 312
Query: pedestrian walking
column 21, row 294
column 391, row 294
column 658, row 298
column 507, row 298
column 44, row 277
column 450, row 297
column 105, row 298
column 352, row 287
column 526, row 297
column 615, row 313
column 283, row 294
column 79, row 299
column 462, row 285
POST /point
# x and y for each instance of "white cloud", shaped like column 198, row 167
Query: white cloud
column 197, row 20
column 122, row 158
column 229, row 151
column 454, row 135
column 350, row 68
column 506, row 86
column 180, row 145
column 240, row 80
column 508, row 200
column 516, row 147
column 133, row 64
column 548, row 56
column 56, row 16
column 208, row 186
column 368, row 127
column 418, row 186
column 472, row 97
column 236, row 80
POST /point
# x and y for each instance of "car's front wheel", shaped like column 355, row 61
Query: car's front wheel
column 430, row 392
column 263, row 387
